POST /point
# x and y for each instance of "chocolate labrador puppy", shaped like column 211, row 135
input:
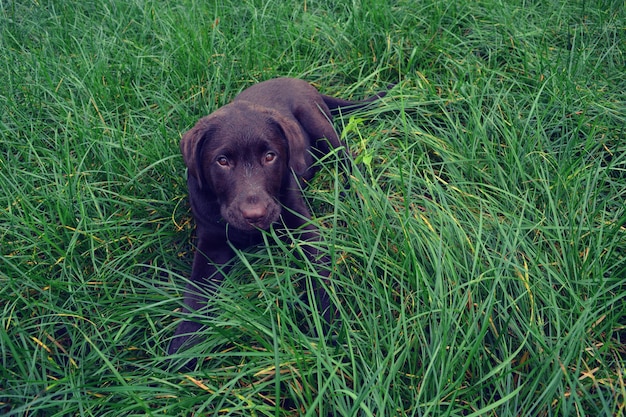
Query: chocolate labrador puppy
column 246, row 163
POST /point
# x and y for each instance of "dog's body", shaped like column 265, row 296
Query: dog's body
column 246, row 163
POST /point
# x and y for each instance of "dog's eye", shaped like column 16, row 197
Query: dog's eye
column 269, row 157
column 222, row 160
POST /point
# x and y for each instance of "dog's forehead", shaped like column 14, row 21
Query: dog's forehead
column 245, row 139
column 245, row 132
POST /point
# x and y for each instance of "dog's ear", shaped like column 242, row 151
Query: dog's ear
column 191, row 147
column 297, row 141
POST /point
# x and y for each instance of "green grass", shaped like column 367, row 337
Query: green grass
column 479, row 252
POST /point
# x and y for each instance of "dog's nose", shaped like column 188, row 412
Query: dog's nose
column 253, row 213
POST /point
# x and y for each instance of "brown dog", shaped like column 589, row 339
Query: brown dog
column 246, row 163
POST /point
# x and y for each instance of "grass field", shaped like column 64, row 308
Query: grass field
column 479, row 253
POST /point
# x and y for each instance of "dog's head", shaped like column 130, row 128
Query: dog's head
column 242, row 154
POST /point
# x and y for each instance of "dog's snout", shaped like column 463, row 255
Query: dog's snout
column 253, row 213
column 253, row 210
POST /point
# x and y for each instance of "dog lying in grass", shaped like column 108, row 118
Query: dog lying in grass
column 247, row 163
